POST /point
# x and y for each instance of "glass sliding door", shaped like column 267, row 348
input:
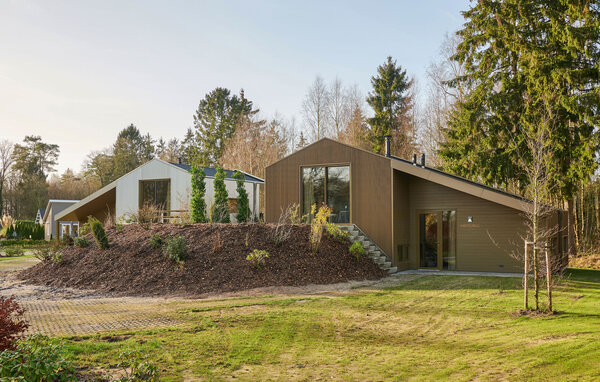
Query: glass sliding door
column 437, row 240
column 330, row 185
column 428, row 240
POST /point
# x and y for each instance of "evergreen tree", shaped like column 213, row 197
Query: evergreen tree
column 220, row 208
column 528, row 63
column 198, row 204
column 243, row 204
column 390, row 102
column 131, row 150
column 215, row 121
column 33, row 160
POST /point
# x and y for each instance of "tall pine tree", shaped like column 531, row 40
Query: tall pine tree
column 390, row 101
column 527, row 60
column 215, row 121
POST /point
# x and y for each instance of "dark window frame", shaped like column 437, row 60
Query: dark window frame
column 326, row 167
column 141, row 192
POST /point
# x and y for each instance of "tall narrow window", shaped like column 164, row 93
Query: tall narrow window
column 338, row 193
column 313, row 187
column 329, row 185
column 449, row 240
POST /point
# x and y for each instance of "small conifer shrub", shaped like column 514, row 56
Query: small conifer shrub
column 98, row 233
column 356, row 249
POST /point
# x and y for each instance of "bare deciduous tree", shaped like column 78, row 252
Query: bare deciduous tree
column 538, row 212
column 315, row 109
column 6, row 161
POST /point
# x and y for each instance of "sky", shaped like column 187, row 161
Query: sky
column 77, row 72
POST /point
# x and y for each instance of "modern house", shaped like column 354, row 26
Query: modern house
column 164, row 184
column 51, row 227
column 420, row 217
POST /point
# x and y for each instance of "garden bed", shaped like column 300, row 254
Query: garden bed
column 216, row 262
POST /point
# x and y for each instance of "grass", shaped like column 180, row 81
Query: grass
column 435, row 327
column 3, row 258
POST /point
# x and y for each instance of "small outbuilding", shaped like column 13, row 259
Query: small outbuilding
column 163, row 184
column 420, row 217
column 49, row 219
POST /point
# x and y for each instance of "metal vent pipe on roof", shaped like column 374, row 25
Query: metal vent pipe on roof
column 423, row 160
column 388, row 151
column 415, row 159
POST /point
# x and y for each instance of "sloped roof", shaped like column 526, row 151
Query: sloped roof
column 210, row 172
column 443, row 178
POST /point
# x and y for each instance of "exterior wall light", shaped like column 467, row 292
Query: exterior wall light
column 469, row 219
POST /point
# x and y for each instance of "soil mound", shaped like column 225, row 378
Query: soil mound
column 216, row 262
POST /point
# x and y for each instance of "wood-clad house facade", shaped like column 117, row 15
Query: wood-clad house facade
column 419, row 216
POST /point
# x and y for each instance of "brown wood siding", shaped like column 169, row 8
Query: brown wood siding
column 401, row 217
column 370, row 186
column 485, row 244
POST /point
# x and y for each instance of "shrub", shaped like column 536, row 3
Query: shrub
column 176, row 249
column 14, row 251
column 27, row 229
column 12, row 324
column 316, row 226
column 11, row 242
column 147, row 214
column 66, row 241
column 156, row 241
column 337, row 233
column 283, row 228
column 220, row 209
column 136, row 367
column 84, row 229
column 49, row 253
column 217, row 243
column 81, row 241
column 119, row 227
column 5, row 222
column 258, row 257
column 98, row 233
column 243, row 204
column 356, row 249
column 37, row 358
column 198, row 204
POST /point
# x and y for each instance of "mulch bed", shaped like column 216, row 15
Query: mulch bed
column 216, row 262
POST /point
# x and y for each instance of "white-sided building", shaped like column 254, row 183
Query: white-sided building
column 49, row 219
column 160, row 183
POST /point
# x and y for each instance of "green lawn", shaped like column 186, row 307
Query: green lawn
column 431, row 328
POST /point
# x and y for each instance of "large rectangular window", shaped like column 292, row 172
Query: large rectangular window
column 156, row 192
column 329, row 185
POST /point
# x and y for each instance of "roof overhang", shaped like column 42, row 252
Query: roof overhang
column 69, row 213
column 463, row 185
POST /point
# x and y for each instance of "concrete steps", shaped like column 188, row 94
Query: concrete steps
column 371, row 249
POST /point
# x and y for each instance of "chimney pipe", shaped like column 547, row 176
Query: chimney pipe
column 179, row 160
column 388, row 151
column 415, row 159
column 423, row 160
